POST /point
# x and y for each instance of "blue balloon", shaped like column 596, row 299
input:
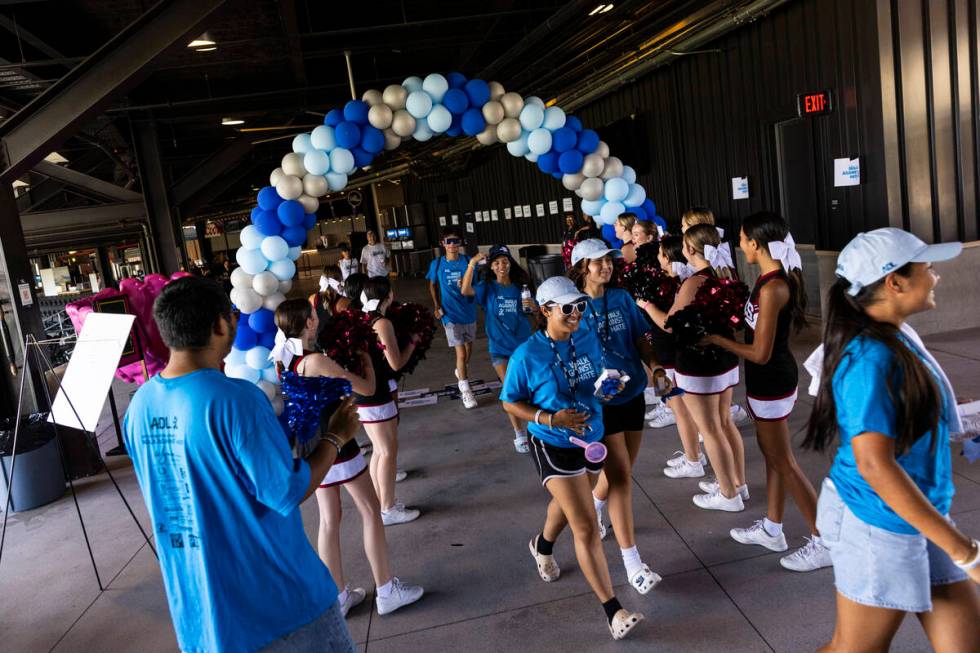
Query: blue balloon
column 302, row 143
column 268, row 223
column 571, row 162
column 422, row 132
column 478, row 91
column 267, row 339
column 649, row 207
column 356, row 111
column 609, row 235
column 639, row 213
column 564, row 139
column 348, row 135
column 269, row 199
column 456, row 128
column 473, row 122
column 588, row 141
column 660, row 221
column 255, row 213
column 557, row 175
column 548, row 162
column 573, row 123
column 372, row 139
column 334, row 117
column 412, row 84
column 245, row 337
column 294, row 236
column 456, row 80
column 456, row 101
column 539, row 141
column 316, row 162
column 290, row 213
column 262, row 321
column 309, row 221
column 361, row 158
column 419, row 104
column 440, row 119
column 341, row 161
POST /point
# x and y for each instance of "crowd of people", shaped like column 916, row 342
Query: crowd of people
column 579, row 360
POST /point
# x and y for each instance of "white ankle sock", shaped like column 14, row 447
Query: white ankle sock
column 771, row 528
column 520, row 434
column 342, row 597
column 599, row 503
column 464, row 385
column 385, row 590
column 631, row 560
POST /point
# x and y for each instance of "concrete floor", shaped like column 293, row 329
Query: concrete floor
column 481, row 503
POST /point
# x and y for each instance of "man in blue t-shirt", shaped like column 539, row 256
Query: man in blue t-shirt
column 458, row 312
column 223, row 492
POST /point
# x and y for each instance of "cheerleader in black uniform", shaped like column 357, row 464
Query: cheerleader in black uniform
column 707, row 376
column 776, row 307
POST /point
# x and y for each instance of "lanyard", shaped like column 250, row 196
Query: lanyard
column 570, row 372
column 604, row 332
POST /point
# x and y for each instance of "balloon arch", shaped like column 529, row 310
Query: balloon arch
column 352, row 137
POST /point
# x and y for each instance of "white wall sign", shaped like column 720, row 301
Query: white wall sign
column 552, row 207
column 494, row 216
column 527, row 210
column 455, row 219
column 518, row 211
column 507, row 215
column 469, row 227
column 566, row 204
column 847, row 172
column 442, row 221
column 539, row 210
column 25, row 294
column 740, row 188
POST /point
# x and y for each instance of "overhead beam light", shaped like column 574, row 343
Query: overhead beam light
column 203, row 43
column 601, row 9
column 54, row 157
column 232, row 121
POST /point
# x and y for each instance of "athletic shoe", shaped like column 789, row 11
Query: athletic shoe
column 686, row 469
column 756, row 534
column 661, row 417
column 547, row 567
column 739, row 416
column 712, row 487
column 679, row 457
column 718, row 502
column 811, row 556
column 650, row 397
column 623, row 622
column 400, row 475
column 602, row 526
column 354, row 598
column 645, row 579
column 469, row 401
column 521, row 444
column 399, row 514
column 401, row 594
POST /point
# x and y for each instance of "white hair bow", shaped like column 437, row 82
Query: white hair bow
column 328, row 282
column 785, row 252
column 369, row 304
column 721, row 232
column 285, row 348
column 719, row 257
column 682, row 270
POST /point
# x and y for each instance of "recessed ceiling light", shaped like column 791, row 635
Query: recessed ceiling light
column 203, row 41
column 210, row 48
column 232, row 121
column 606, row 8
column 596, row 10
column 54, row 157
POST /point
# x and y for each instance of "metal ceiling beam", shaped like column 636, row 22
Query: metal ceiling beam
column 82, row 217
column 87, row 182
column 55, row 115
column 216, row 165
column 29, row 37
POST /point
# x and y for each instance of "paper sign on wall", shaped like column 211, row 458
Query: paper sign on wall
column 507, row 215
column 494, row 216
column 539, row 210
column 566, row 204
column 527, row 210
column 518, row 211
column 847, row 172
column 469, row 227
column 479, row 216
column 740, row 188
column 442, row 221
column 552, row 207
column 455, row 219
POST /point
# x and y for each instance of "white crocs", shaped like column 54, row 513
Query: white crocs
column 623, row 622
column 547, row 567
column 645, row 579
column 521, row 444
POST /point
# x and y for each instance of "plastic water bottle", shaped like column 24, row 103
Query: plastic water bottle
column 526, row 299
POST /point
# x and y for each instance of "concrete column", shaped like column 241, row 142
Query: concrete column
column 164, row 224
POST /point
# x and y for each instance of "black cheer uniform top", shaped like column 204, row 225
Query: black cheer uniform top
column 780, row 376
column 382, row 373
column 706, row 361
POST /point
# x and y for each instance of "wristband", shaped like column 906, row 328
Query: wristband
column 551, row 420
column 972, row 560
column 537, row 415
column 334, row 440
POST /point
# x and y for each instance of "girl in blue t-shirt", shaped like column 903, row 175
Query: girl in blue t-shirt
column 884, row 511
column 498, row 292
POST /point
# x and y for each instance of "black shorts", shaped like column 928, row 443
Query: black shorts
column 624, row 417
column 560, row 462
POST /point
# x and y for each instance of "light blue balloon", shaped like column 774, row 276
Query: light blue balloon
column 518, row 147
column 436, row 86
column 235, row 357
column 250, row 237
column 336, row 181
column 243, row 372
column 532, row 157
column 439, row 119
column 283, row 269
column 539, row 141
column 251, row 260
column 592, row 207
column 554, row 118
column 419, row 104
column 316, row 162
column 342, row 161
column 610, row 211
column 422, row 132
column 636, row 196
column 257, row 357
column 269, row 374
column 534, row 100
column 322, row 138
column 532, row 117
column 274, row 248
column 616, row 189
column 295, row 253
column 302, row 144
column 629, row 174
column 412, row 84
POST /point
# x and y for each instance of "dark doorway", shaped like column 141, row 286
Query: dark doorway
column 797, row 178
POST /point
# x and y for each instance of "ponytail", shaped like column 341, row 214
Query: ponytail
column 797, row 300
column 766, row 227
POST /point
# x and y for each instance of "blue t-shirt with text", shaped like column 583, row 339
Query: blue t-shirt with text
column 618, row 323
column 506, row 323
column 456, row 308
column 223, row 493
column 863, row 403
column 534, row 376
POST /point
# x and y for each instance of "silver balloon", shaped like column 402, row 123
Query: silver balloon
column 310, row 204
column 285, row 286
column 372, row 97
column 513, row 103
column 602, row 150
column 614, row 168
column 572, row 182
column 403, row 123
column 380, row 116
column 593, row 165
column 276, row 175
column 509, row 130
column 292, row 165
column 493, row 112
column 488, row 136
column 392, row 140
column 394, row 96
column 315, row 186
column 496, row 90
column 290, row 187
column 591, row 188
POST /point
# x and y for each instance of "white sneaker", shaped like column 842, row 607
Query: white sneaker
column 645, row 579
column 602, row 526
column 686, row 469
column 712, row 487
column 354, row 598
column 811, row 556
column 400, row 475
column 402, row 594
column 469, row 400
column 399, row 514
column 661, row 417
column 756, row 534
column 521, row 444
column 739, row 416
column 679, row 457
column 718, row 502
column 650, row 397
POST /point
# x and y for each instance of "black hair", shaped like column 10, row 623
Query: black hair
column 766, row 227
column 518, row 275
column 344, row 247
column 187, row 310
column 353, row 286
column 673, row 248
column 377, row 288
column 910, row 385
column 451, row 231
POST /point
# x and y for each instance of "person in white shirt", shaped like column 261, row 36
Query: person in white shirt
column 347, row 263
column 374, row 257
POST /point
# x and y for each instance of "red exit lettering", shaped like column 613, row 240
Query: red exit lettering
column 815, row 103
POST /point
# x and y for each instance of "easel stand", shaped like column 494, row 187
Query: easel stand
column 32, row 346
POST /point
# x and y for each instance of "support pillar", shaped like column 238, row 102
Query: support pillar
column 204, row 243
column 164, row 225
column 105, row 266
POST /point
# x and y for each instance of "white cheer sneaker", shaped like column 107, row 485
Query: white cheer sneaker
column 718, row 501
column 686, row 469
column 401, row 594
column 756, row 534
column 679, row 457
column 399, row 514
column 712, row 487
column 810, row 557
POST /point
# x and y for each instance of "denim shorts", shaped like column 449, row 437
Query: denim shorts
column 327, row 633
column 496, row 359
column 460, row 334
column 880, row 568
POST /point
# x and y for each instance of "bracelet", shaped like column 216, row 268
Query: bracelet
column 551, row 420
column 334, row 440
column 537, row 415
column 972, row 560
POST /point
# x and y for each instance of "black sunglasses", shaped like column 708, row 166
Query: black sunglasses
column 452, row 241
column 567, row 309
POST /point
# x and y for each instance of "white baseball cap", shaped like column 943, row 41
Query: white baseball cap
column 871, row 256
column 592, row 249
column 559, row 290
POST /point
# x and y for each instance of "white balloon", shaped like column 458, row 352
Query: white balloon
column 246, row 299
column 488, row 136
column 380, row 116
column 241, row 279
column 257, row 357
column 602, row 150
column 310, row 204
column 278, row 405
column 403, row 123
column 285, row 286
column 292, row 164
column 336, row 181
column 243, row 372
column 534, row 100
column 593, row 165
column 272, row 301
column 591, row 188
column 274, row 248
column 493, row 112
column 283, row 269
column 315, row 186
column 392, row 140
column 572, row 182
column 436, row 86
column 496, row 90
column 265, row 283
column 250, row 237
column 290, row 187
column 513, row 104
column 614, row 168
column 372, row 97
column 629, row 174
column 276, row 175
column 323, row 138
column 509, row 130
column 554, row 118
column 270, row 389
column 394, row 96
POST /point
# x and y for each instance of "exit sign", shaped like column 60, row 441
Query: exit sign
column 814, row 104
